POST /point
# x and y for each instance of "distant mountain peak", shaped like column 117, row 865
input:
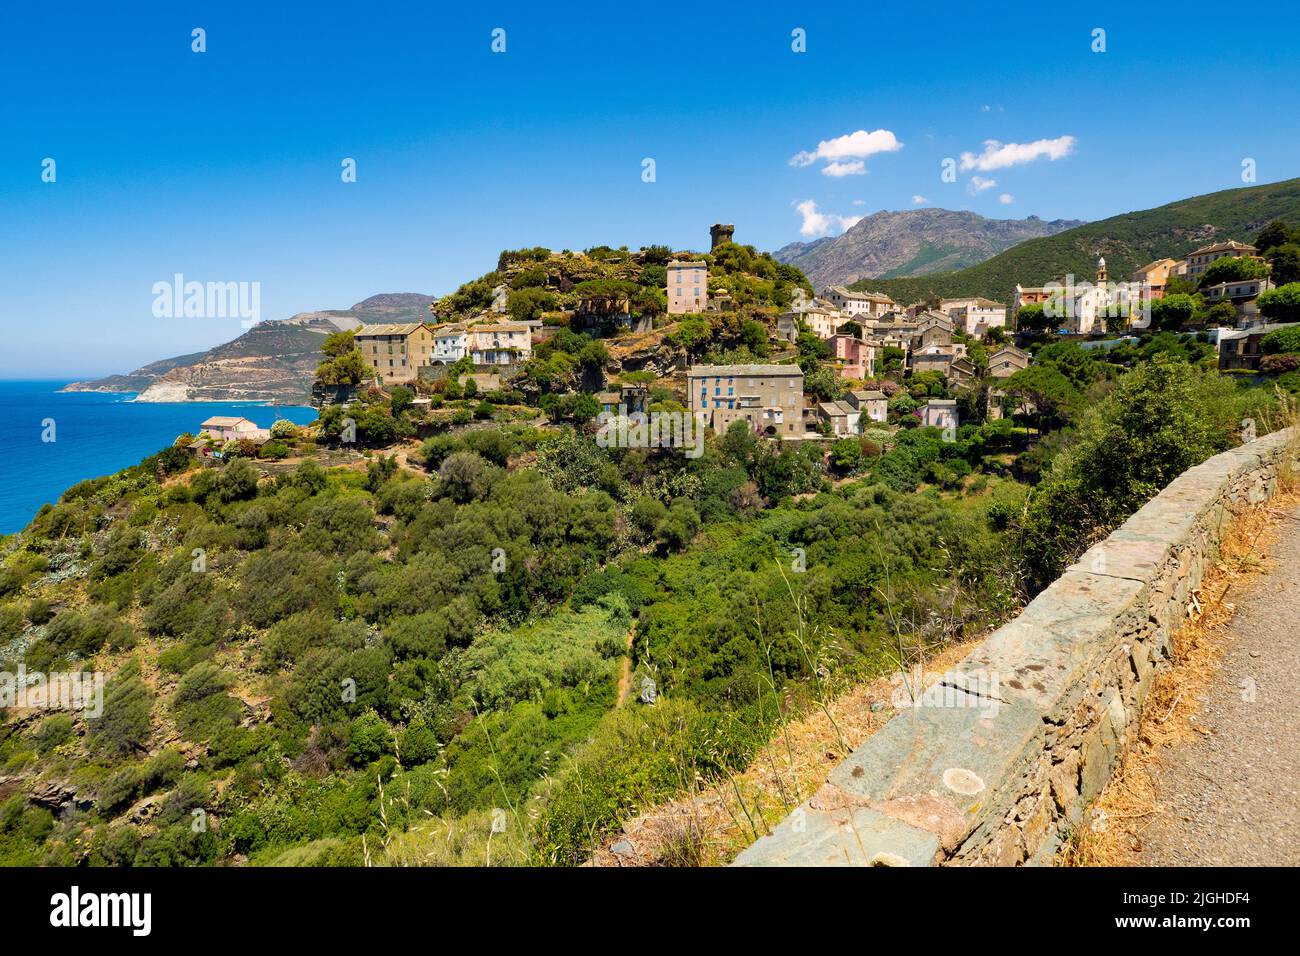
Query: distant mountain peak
column 912, row 242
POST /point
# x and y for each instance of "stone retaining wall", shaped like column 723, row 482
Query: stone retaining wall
column 997, row 762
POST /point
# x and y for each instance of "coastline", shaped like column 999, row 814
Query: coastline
column 94, row 433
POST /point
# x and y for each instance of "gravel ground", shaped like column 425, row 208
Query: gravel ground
column 1232, row 798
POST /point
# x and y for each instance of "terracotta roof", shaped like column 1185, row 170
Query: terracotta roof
column 390, row 328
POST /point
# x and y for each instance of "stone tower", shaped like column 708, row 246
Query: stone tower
column 1101, row 271
column 720, row 234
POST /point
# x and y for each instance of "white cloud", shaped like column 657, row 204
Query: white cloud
column 1006, row 199
column 844, row 155
column 816, row 223
column 978, row 184
column 859, row 202
column 1001, row 155
column 918, row 200
column 853, row 168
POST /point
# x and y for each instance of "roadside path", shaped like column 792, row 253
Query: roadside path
column 1232, row 797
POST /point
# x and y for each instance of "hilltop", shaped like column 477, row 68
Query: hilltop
column 1128, row 241
column 912, row 242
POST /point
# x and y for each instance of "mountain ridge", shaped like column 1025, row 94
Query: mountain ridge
column 912, row 242
column 1128, row 241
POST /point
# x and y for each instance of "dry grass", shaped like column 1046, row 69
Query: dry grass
column 712, row 825
column 1132, row 800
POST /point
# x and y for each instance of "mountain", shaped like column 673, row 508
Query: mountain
column 1128, row 241
column 272, row 362
column 912, row 243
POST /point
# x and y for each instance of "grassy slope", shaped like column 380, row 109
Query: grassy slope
column 1127, row 241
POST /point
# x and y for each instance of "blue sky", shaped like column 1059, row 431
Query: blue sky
column 225, row 165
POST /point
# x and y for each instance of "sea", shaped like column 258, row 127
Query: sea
column 50, row 440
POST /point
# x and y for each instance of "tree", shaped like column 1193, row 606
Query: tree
column 125, row 723
column 1172, row 312
column 1032, row 318
column 1053, row 396
column 1281, row 341
column 238, row 481
column 400, row 399
column 1273, row 235
column 1281, row 304
column 1285, row 262
column 1232, row 269
column 527, row 304
column 753, row 336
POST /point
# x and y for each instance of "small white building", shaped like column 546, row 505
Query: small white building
column 939, row 413
column 450, row 344
column 871, row 304
column 223, row 428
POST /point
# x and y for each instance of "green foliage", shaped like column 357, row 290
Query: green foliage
column 1281, row 304
column 1161, row 419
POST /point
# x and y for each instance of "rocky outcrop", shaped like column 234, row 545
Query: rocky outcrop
column 994, row 763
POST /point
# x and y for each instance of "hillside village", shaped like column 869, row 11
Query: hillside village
column 733, row 336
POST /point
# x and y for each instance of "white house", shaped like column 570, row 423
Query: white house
column 939, row 413
column 873, row 304
column 450, row 344
column 977, row 316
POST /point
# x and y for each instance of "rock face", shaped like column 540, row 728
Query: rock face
column 912, row 243
column 272, row 362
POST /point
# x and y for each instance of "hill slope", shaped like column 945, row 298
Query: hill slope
column 1127, row 241
column 271, row 362
column 911, row 243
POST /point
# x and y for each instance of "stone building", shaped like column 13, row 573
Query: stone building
column 768, row 397
column 395, row 351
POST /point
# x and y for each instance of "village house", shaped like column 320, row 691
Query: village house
column 395, row 351
column 1242, row 294
column 842, row 416
column 1199, row 261
column 962, row 372
column 450, row 344
column 1154, row 277
column 1241, row 348
column 873, row 304
column 503, row 343
column 854, row 357
column 939, row 413
column 688, row 286
column 820, row 317
column 222, row 428
column 976, row 316
column 768, row 397
column 1007, row 361
column 871, row 403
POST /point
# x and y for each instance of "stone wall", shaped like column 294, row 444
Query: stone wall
column 995, row 763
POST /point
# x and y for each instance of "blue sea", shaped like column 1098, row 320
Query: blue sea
column 94, row 434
